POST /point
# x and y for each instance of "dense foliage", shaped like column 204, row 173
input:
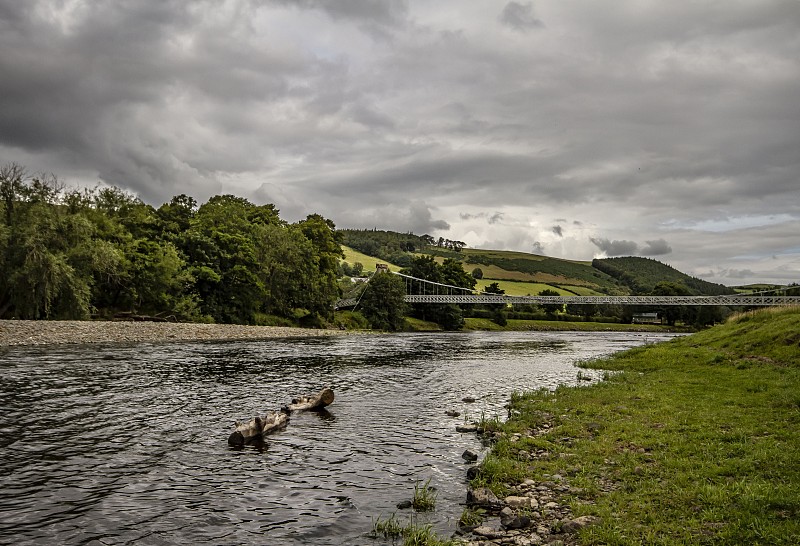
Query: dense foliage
column 103, row 252
column 448, row 315
column 642, row 275
column 382, row 302
column 390, row 246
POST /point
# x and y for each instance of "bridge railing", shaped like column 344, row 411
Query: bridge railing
column 606, row 300
column 444, row 293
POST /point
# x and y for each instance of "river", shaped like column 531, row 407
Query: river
column 117, row 444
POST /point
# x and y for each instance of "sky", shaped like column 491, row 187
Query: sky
column 569, row 128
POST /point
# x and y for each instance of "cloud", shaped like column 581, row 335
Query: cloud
column 736, row 273
column 615, row 248
column 661, row 121
column 558, row 230
column 519, row 17
column 658, row 247
column 537, row 248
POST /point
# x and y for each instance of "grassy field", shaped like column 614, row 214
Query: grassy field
column 694, row 441
column 515, row 288
column 352, row 256
column 516, row 325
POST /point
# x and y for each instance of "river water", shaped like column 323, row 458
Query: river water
column 117, row 444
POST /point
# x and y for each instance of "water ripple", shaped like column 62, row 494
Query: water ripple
column 121, row 444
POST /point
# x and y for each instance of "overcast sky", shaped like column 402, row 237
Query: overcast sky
column 570, row 128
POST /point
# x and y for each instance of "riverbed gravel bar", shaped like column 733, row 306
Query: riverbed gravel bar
column 48, row 332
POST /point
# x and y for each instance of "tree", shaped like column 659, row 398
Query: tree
column 499, row 315
column 584, row 310
column 382, row 302
column 447, row 315
column 326, row 242
column 221, row 247
column 477, row 273
column 37, row 238
column 671, row 313
column 550, row 308
column 176, row 216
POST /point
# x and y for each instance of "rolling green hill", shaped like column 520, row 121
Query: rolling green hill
column 642, row 274
column 521, row 273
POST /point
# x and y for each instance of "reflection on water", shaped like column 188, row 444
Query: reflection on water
column 124, row 443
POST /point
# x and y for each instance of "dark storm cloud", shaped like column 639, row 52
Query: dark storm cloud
column 658, row 247
column 558, row 230
column 519, row 17
column 492, row 218
column 645, row 118
column 615, row 248
column 381, row 12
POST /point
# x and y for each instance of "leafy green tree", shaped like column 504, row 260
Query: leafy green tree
column 550, row 308
column 328, row 252
column 586, row 311
column 449, row 316
column 176, row 216
column 287, row 270
column 671, row 313
column 382, row 302
column 499, row 312
column 453, row 274
column 221, row 248
column 477, row 273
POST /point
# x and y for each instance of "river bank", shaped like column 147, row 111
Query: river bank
column 686, row 442
column 49, row 332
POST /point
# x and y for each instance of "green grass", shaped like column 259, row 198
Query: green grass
column 352, row 256
column 517, row 288
column 413, row 534
column 518, row 325
column 424, row 497
column 388, row 528
column 419, row 325
column 693, row 441
column 471, row 517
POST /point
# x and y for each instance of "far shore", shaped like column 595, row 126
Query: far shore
column 57, row 332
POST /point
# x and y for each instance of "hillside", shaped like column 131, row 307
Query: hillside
column 641, row 275
column 522, row 273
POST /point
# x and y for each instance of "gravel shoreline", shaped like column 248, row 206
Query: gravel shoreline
column 50, row 332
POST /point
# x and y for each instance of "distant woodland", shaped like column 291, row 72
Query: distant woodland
column 103, row 253
column 76, row 254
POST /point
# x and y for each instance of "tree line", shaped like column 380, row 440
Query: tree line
column 102, row 252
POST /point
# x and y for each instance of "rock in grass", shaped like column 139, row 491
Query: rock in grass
column 510, row 520
column 483, row 497
column 488, row 532
column 521, row 502
column 575, row 525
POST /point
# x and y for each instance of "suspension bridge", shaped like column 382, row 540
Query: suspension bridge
column 424, row 291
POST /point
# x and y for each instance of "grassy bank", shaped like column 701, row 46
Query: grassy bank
column 517, row 325
column 694, row 441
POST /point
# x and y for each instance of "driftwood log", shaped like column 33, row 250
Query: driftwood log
column 255, row 430
column 316, row 402
column 258, row 427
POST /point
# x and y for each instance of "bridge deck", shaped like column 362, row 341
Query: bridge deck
column 736, row 300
